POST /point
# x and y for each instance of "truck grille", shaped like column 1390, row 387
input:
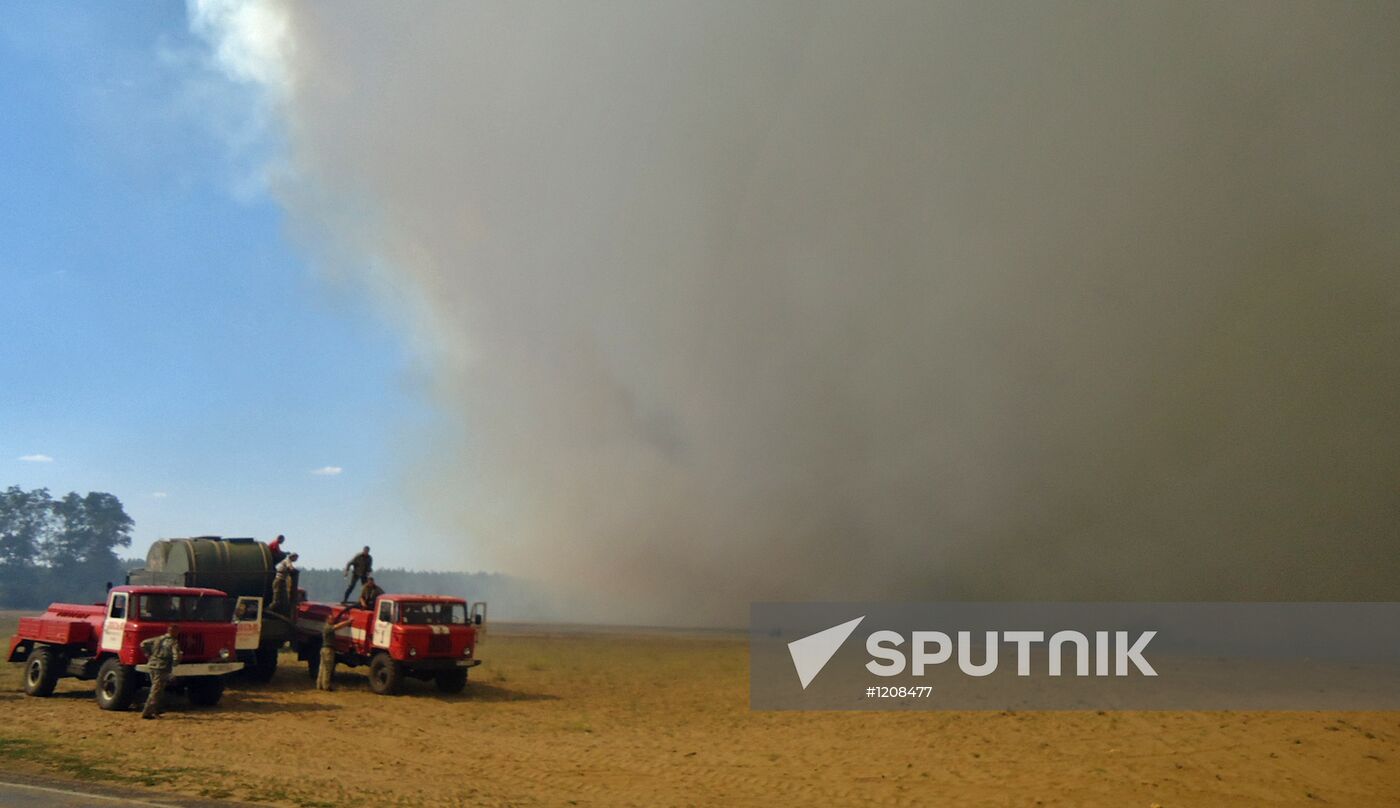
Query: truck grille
column 192, row 645
column 439, row 644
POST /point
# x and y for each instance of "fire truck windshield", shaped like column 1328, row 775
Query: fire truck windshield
column 185, row 607
column 433, row 614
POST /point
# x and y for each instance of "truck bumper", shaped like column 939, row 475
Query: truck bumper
column 200, row 669
column 435, row 665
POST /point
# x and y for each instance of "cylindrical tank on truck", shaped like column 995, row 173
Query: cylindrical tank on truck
column 244, row 568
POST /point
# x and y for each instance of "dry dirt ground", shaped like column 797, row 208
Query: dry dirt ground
column 604, row 718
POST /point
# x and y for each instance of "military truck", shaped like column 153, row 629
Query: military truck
column 102, row 641
column 427, row 637
column 242, row 567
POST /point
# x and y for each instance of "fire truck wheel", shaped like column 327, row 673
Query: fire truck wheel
column 116, row 685
column 205, row 691
column 311, row 652
column 385, row 674
column 41, row 671
column 264, row 663
column 452, row 681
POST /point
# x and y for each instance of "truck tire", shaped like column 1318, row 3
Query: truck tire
column 385, row 674
column 116, row 685
column 453, row 681
column 41, row 671
column 312, row 652
column 205, row 691
column 264, row 665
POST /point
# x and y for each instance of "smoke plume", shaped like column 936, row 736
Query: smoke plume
column 797, row 300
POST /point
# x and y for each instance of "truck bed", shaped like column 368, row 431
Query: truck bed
column 311, row 617
column 64, row 624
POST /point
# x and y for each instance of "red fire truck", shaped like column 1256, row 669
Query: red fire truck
column 419, row 636
column 103, row 642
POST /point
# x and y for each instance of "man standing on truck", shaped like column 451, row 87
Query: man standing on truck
column 370, row 593
column 162, row 654
column 284, row 582
column 327, row 667
column 359, row 570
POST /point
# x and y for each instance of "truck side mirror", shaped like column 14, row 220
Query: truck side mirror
column 476, row 619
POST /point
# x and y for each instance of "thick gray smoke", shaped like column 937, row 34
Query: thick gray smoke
column 789, row 300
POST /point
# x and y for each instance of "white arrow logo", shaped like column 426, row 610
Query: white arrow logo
column 811, row 653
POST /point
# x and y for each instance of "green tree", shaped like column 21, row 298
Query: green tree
column 59, row 549
column 26, row 518
column 81, row 549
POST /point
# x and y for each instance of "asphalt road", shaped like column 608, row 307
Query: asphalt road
column 49, row 792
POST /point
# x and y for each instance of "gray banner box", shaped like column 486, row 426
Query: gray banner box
column 1206, row 656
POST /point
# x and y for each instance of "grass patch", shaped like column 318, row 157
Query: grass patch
column 60, row 760
column 165, row 776
column 49, row 756
column 277, row 793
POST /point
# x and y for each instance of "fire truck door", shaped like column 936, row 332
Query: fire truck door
column 115, row 622
column 247, row 615
column 383, row 624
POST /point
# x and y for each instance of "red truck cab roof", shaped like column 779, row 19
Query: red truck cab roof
column 170, row 590
column 423, row 598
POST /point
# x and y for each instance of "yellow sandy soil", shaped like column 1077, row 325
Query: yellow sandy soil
column 647, row 719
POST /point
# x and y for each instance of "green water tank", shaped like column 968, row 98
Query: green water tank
column 237, row 566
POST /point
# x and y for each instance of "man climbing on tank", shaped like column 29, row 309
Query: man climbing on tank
column 369, row 593
column 284, row 583
column 358, row 570
column 162, row 654
column 327, row 667
column 275, row 547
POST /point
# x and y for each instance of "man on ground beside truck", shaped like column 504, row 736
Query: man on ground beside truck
column 327, row 667
column 359, row 570
column 162, row 654
column 370, row 593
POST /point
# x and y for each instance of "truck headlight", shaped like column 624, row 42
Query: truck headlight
column 223, row 653
column 413, row 652
column 466, row 652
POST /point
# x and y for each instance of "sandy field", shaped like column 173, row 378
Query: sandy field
column 611, row 718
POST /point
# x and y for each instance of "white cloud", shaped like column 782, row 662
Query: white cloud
column 36, row 458
column 251, row 40
column 327, row 471
column 159, row 495
column 237, row 82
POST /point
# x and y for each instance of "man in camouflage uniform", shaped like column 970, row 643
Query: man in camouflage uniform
column 370, row 593
column 358, row 570
column 162, row 654
column 327, row 667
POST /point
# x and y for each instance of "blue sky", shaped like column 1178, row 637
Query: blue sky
column 161, row 337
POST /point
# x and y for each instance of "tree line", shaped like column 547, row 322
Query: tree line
column 511, row 598
column 59, row 549
column 329, row 584
column 66, row 550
